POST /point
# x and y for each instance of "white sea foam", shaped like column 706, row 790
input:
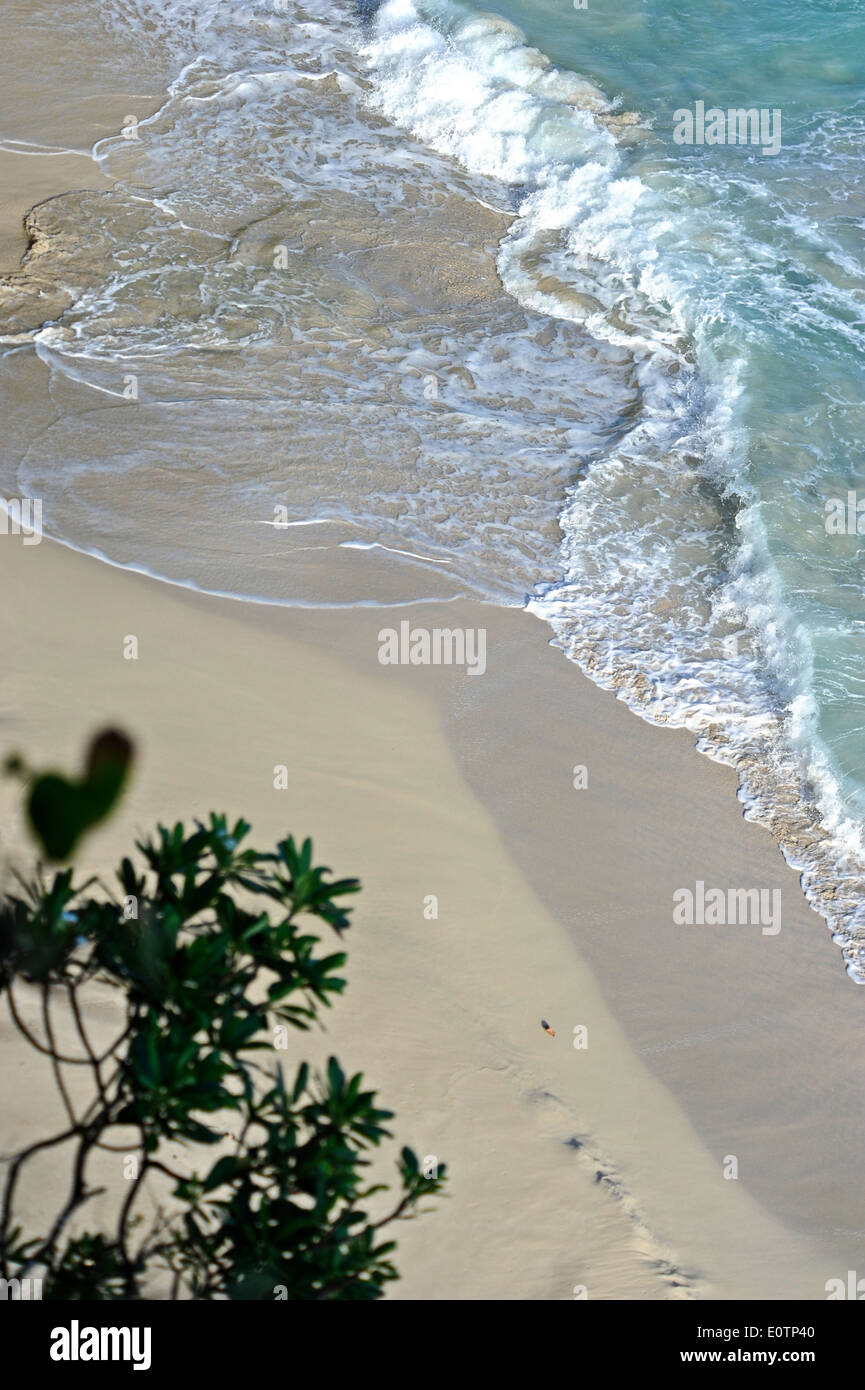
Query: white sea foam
column 669, row 593
column 619, row 413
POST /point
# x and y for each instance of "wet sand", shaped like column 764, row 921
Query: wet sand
column 601, row 1167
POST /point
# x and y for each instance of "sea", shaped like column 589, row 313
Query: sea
column 554, row 305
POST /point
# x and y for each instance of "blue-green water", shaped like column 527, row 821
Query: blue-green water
column 700, row 575
column 638, row 433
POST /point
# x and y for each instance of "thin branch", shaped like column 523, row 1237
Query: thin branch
column 77, row 1197
column 55, row 1063
column 129, row 1277
column 82, row 1033
column 12, row 1179
column 47, row 1051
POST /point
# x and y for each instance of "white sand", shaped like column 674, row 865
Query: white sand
column 553, row 903
column 443, row 1016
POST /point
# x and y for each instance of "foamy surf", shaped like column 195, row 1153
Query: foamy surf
column 669, row 595
column 296, row 258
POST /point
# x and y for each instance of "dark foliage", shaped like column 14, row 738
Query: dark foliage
column 209, row 946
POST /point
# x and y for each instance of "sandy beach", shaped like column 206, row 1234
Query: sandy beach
column 553, row 829
column 702, row 1043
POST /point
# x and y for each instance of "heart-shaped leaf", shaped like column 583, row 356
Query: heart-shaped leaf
column 61, row 810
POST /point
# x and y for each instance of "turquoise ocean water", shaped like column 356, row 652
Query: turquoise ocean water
column 700, row 576
column 644, row 440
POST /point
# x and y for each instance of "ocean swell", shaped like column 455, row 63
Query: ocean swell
column 296, row 257
column 669, row 594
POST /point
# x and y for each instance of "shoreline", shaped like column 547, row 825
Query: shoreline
column 600, row 1167
column 568, row 1167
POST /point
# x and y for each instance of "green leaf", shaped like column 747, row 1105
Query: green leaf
column 223, row 1172
column 61, row 810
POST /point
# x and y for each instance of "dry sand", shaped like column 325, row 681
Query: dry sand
column 569, row 1167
